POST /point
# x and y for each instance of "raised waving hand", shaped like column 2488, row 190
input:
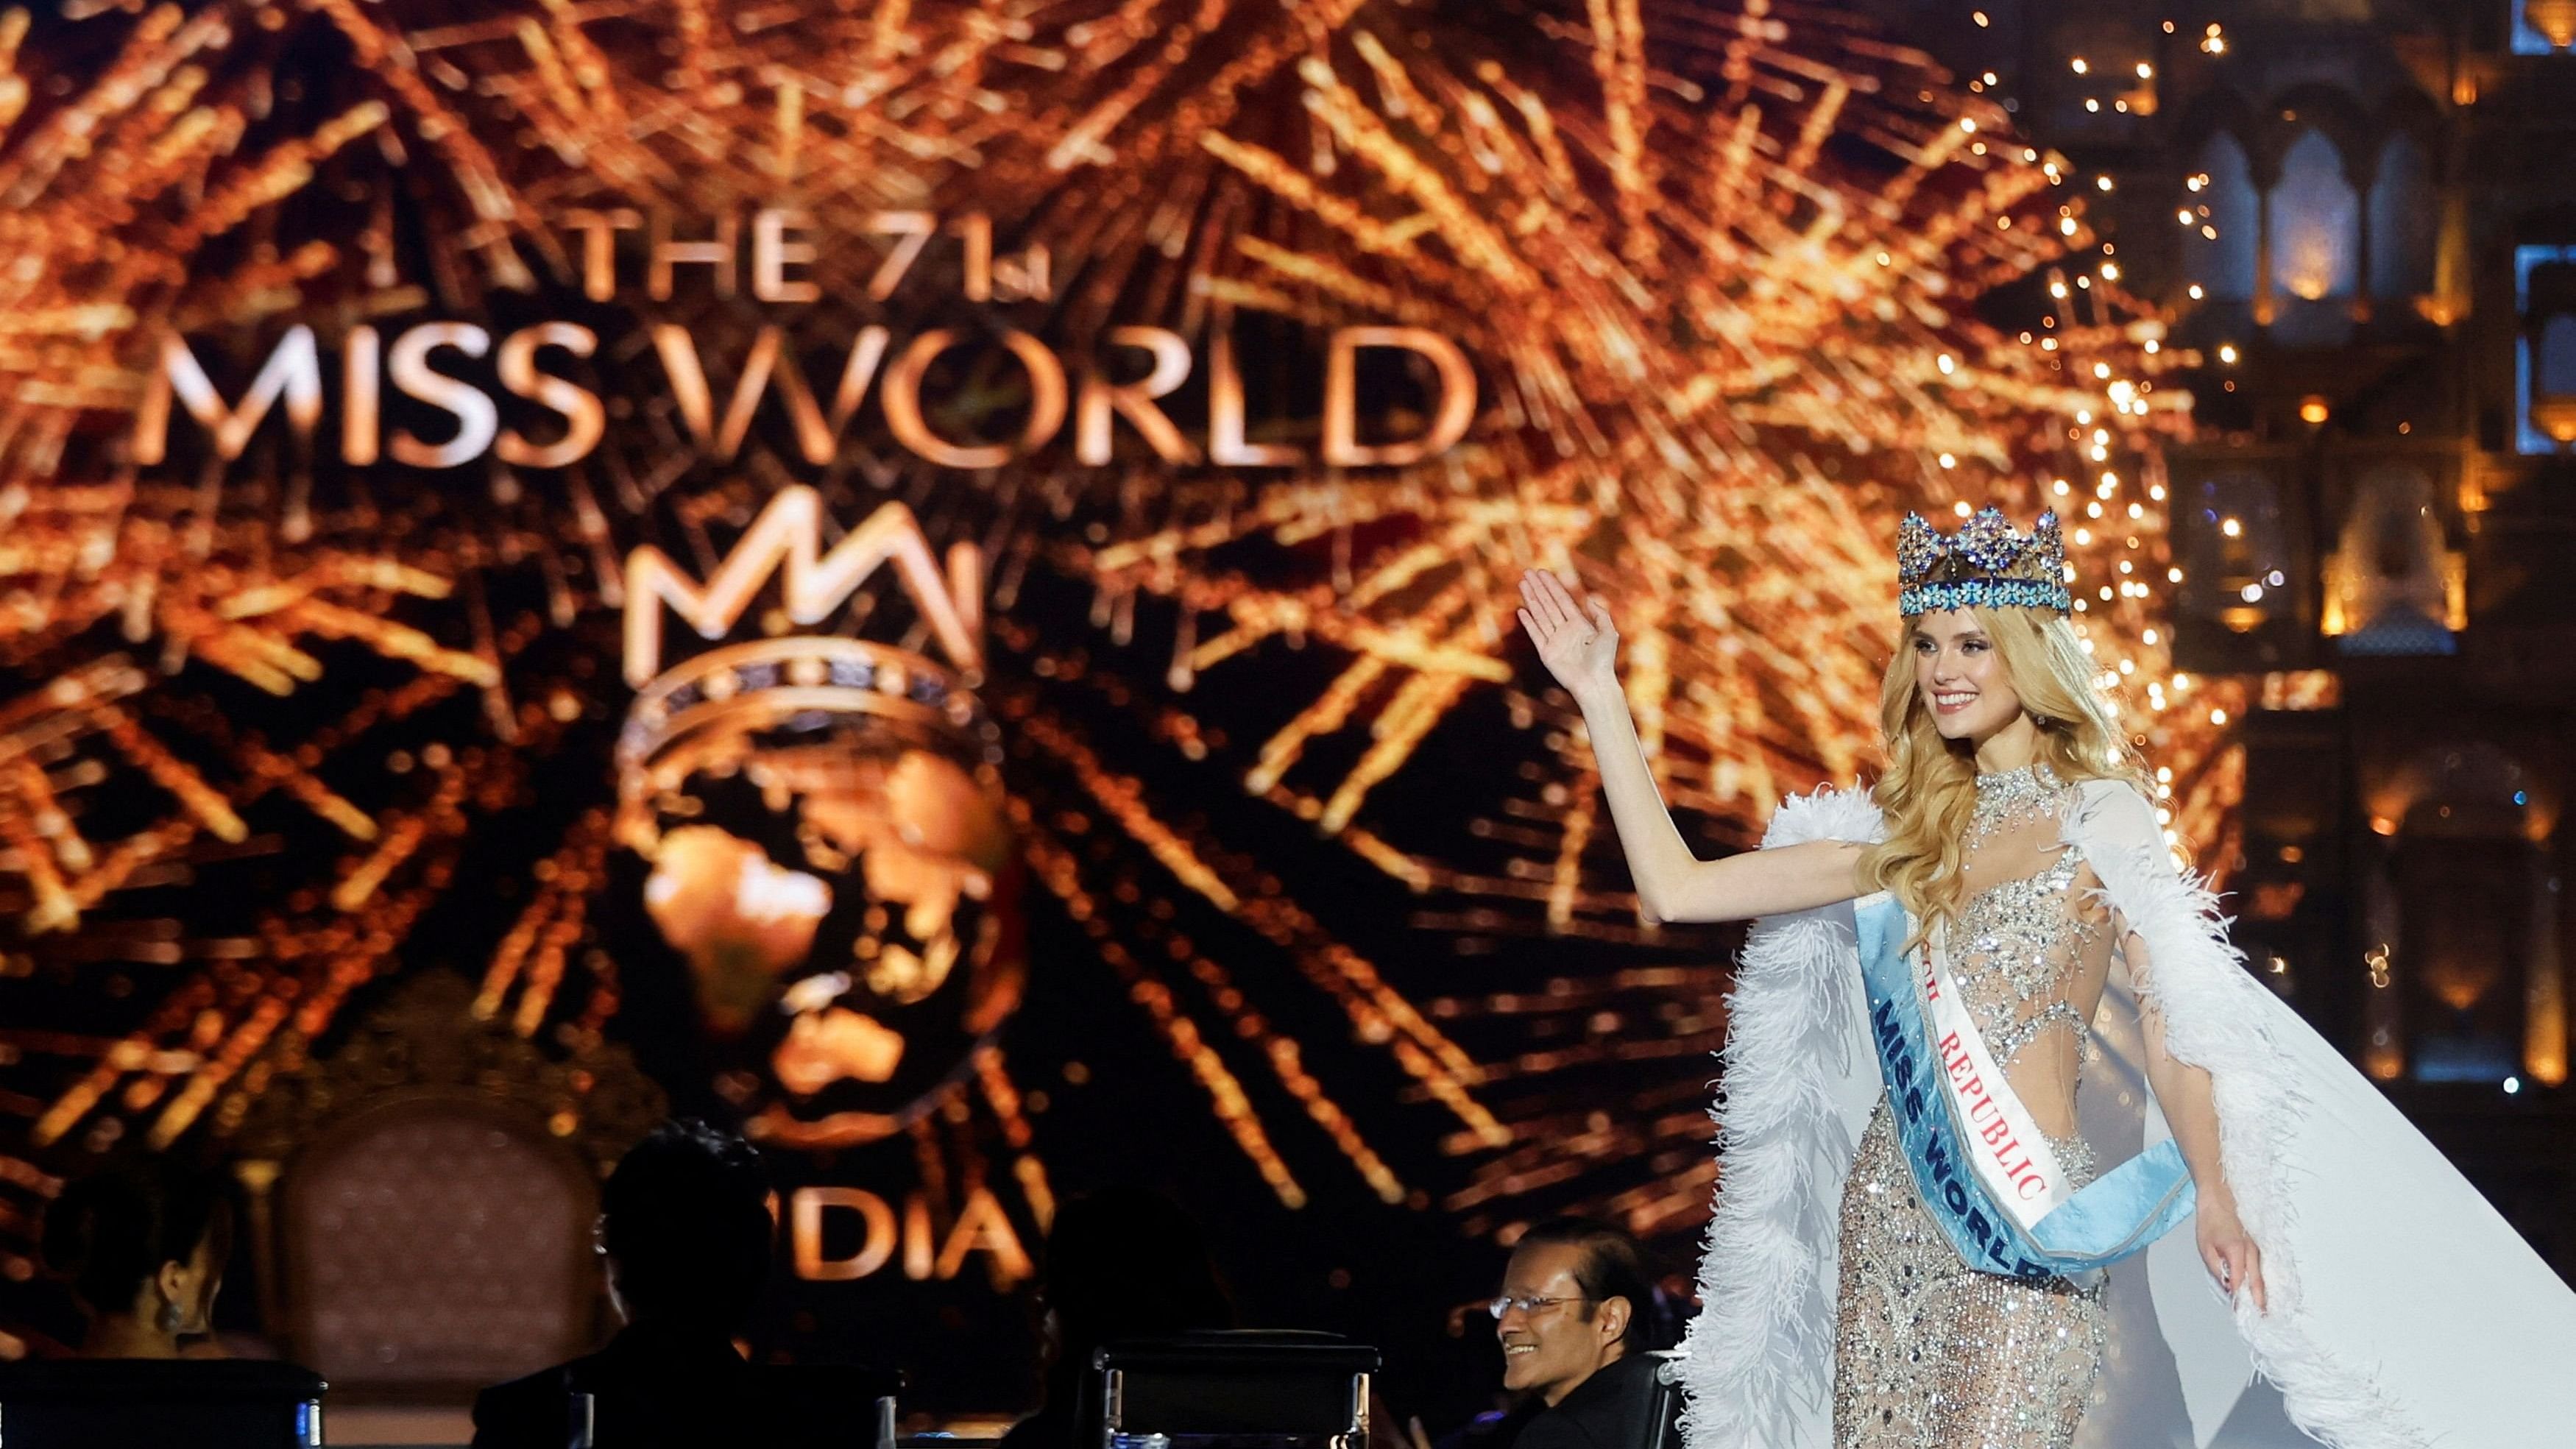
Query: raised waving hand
column 1577, row 642
column 1580, row 646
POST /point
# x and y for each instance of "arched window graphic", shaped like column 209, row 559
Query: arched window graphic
column 2235, row 547
column 2558, row 356
column 2224, row 265
column 2316, row 222
column 2468, row 941
column 2392, row 586
column 2405, row 220
column 2545, row 351
column 2552, row 409
column 2541, row 29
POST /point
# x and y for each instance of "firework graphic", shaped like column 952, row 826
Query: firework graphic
column 1694, row 298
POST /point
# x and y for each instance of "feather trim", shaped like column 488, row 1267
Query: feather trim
column 2219, row 1018
column 1760, row 1350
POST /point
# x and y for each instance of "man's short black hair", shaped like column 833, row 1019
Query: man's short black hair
column 686, row 1216
column 1614, row 1265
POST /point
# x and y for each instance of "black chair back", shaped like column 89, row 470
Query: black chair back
column 159, row 1404
column 1663, row 1392
column 824, row 1406
column 1241, row 1384
column 770, row 1406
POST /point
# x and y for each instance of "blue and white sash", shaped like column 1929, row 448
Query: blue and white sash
column 1985, row 1173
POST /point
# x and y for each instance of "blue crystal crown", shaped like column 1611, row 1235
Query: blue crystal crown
column 1984, row 564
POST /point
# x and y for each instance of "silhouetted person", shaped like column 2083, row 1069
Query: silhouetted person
column 1119, row 1264
column 685, row 1229
column 143, row 1244
column 1577, row 1318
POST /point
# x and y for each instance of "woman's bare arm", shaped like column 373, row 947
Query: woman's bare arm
column 1579, row 646
column 1673, row 883
column 2183, row 1093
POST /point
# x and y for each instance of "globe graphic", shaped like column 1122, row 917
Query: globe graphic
column 835, row 883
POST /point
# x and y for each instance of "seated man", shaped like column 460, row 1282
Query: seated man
column 685, row 1229
column 1574, row 1320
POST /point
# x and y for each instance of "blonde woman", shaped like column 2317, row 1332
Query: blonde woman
column 1925, row 982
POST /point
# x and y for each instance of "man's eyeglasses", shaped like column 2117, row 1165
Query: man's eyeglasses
column 1505, row 1304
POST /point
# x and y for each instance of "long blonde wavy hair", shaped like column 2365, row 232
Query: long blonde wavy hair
column 1929, row 791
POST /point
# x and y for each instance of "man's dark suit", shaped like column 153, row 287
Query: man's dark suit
column 1613, row 1409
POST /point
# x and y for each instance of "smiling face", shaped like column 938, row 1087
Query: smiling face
column 1552, row 1349
column 1960, row 676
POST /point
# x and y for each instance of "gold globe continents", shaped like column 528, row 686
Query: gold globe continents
column 815, row 848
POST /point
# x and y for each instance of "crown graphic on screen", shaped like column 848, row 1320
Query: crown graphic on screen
column 797, row 679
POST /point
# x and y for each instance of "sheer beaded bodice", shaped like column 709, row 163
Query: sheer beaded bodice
column 2029, row 952
column 2016, row 950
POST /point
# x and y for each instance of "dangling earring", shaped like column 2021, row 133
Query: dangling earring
column 172, row 1319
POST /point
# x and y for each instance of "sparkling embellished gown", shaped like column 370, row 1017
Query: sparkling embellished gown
column 1928, row 1353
